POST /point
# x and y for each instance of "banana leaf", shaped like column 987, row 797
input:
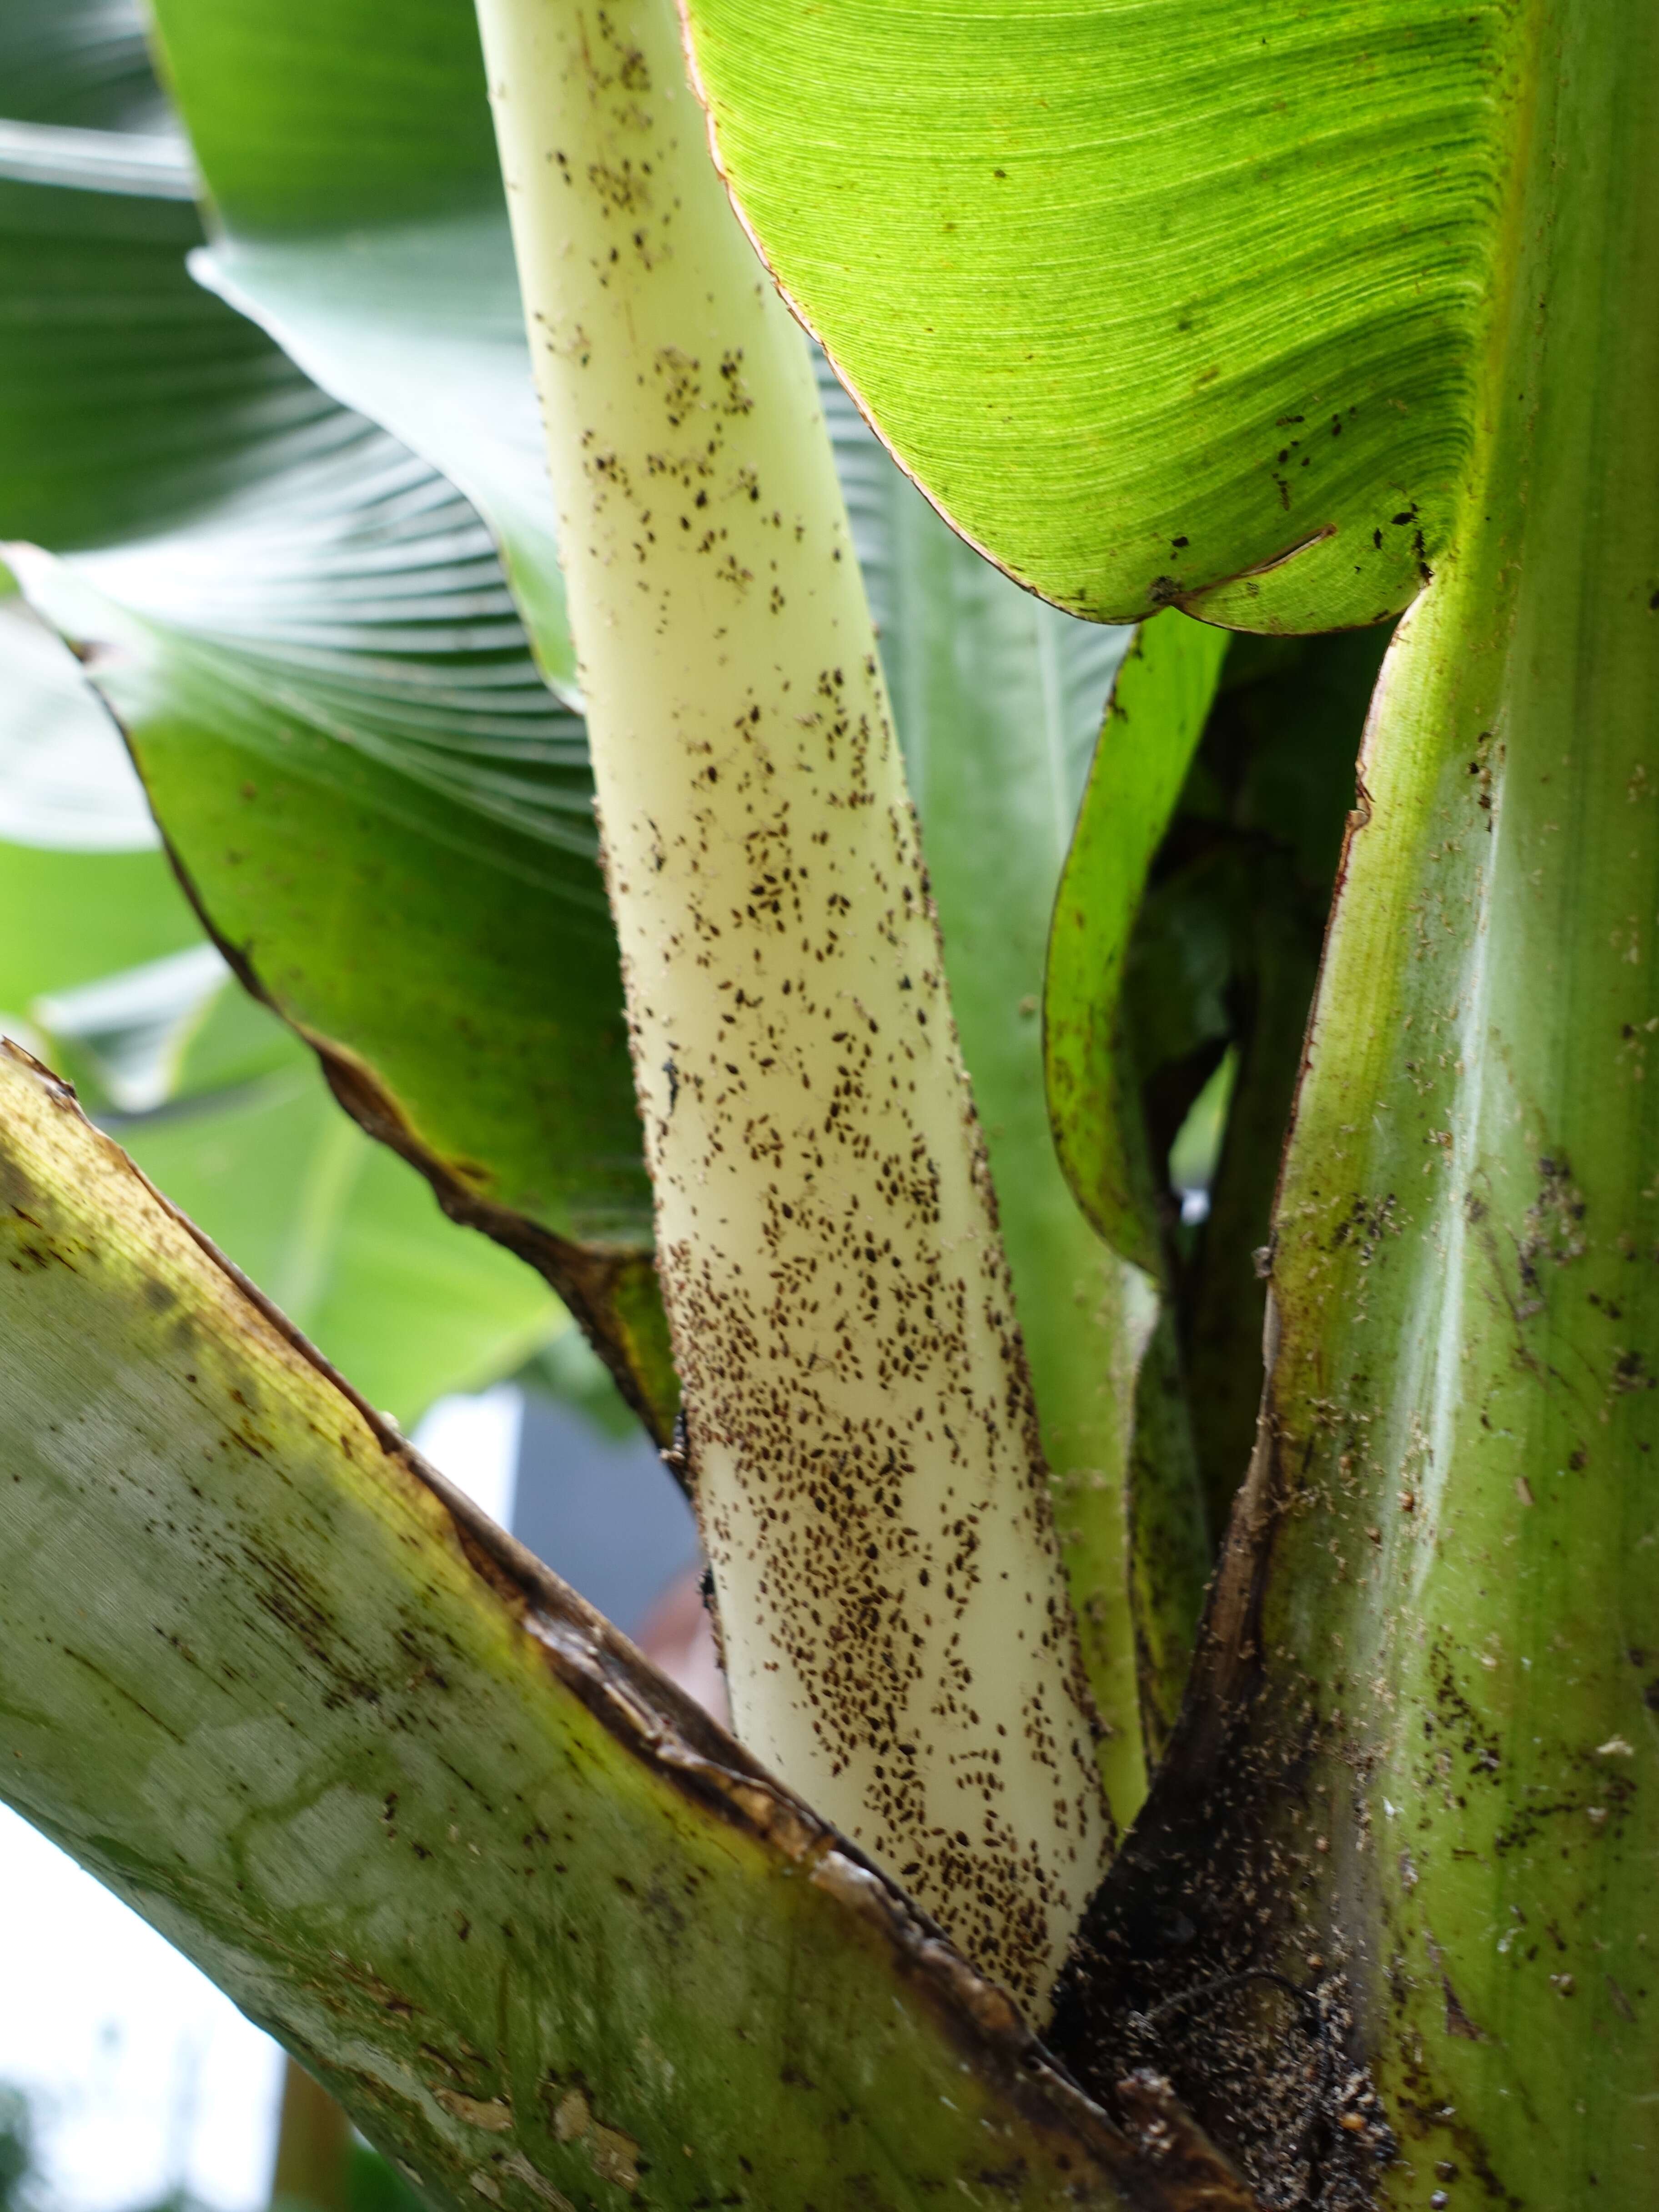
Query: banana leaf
column 306, row 635
column 221, row 1105
column 1177, row 306
column 403, row 302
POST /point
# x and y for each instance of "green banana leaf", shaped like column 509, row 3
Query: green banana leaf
column 358, row 215
column 221, row 1106
column 306, row 635
column 128, row 400
column 103, row 964
column 410, row 311
column 1178, row 304
column 337, row 671
column 550, row 1936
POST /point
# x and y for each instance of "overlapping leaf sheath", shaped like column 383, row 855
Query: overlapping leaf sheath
column 1151, row 730
column 550, row 1936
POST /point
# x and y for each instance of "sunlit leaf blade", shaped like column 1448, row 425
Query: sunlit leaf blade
column 549, row 1934
column 1151, row 731
column 1147, row 297
column 359, row 216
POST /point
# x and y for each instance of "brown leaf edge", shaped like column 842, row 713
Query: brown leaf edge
column 613, row 1295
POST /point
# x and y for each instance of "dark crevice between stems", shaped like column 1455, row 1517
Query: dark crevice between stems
column 1201, row 1896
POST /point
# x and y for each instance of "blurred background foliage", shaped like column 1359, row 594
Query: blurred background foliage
column 362, row 2181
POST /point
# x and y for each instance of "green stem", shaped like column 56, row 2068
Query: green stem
column 1438, row 1614
column 1150, row 1544
column 861, row 1429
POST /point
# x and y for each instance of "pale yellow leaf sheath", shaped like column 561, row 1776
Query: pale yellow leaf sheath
column 861, row 1425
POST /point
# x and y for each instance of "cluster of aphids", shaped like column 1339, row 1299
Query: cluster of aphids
column 1359, row 2114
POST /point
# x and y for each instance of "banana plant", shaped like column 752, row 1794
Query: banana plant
column 1398, row 1849
column 1225, row 1155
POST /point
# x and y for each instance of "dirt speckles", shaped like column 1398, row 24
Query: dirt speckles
column 679, row 385
column 859, row 1432
column 859, row 1418
column 736, row 398
column 623, row 188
